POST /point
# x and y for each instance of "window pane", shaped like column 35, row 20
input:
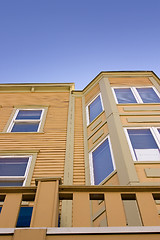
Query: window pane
column 142, row 139
column 24, row 217
column 25, row 127
column 13, row 166
column 95, row 108
column 29, row 114
column 11, row 183
column 102, row 162
column 148, row 95
column 144, row 145
column 125, row 95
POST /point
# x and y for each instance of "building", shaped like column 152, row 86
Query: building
column 81, row 164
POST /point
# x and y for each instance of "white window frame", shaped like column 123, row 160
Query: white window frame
column 87, row 107
column 91, row 159
column 26, row 120
column 17, row 178
column 135, row 94
column 155, row 134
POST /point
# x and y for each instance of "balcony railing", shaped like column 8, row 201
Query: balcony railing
column 46, row 195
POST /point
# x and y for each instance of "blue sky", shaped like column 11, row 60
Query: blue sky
column 74, row 40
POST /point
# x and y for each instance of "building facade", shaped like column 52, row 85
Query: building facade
column 81, row 164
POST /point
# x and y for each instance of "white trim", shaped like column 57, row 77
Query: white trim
column 87, row 230
column 14, row 120
column 17, row 178
column 87, row 107
column 102, row 230
column 154, row 133
column 135, row 93
column 91, row 160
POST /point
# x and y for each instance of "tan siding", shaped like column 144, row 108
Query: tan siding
column 50, row 144
column 91, row 143
column 90, row 131
column 141, row 172
column 130, row 81
column 78, row 165
column 92, row 93
column 125, row 122
column 137, row 109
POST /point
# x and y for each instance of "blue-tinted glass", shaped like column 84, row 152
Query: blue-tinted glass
column 11, row 183
column 102, row 162
column 0, row 209
column 29, row 114
column 142, row 139
column 13, row 166
column 24, row 217
column 59, row 221
column 148, row 95
column 25, row 127
column 95, row 108
column 159, row 130
column 125, row 95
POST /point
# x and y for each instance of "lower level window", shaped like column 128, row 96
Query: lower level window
column 14, row 170
column 101, row 162
column 24, row 217
column 144, row 144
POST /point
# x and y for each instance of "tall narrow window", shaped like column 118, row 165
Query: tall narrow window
column 26, row 120
column 144, row 145
column 101, row 162
column 94, row 108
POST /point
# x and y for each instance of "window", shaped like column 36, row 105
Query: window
column 26, row 120
column 94, row 108
column 14, row 170
column 24, row 217
column 136, row 95
column 101, row 162
column 144, row 143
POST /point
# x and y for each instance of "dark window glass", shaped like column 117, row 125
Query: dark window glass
column 95, row 108
column 102, row 162
column 29, row 114
column 124, row 95
column 24, row 217
column 13, row 166
column 144, row 145
column 25, row 127
column 0, row 209
column 148, row 95
column 11, row 183
column 142, row 139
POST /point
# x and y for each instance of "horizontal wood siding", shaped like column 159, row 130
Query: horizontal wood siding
column 78, row 165
column 51, row 144
column 92, row 93
column 129, row 81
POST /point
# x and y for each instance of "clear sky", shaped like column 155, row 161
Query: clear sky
column 74, row 40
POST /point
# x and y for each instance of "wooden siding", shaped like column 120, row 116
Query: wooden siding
column 129, row 81
column 143, row 123
column 78, row 165
column 50, row 144
column 92, row 93
column 92, row 143
column 91, row 129
column 140, row 168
